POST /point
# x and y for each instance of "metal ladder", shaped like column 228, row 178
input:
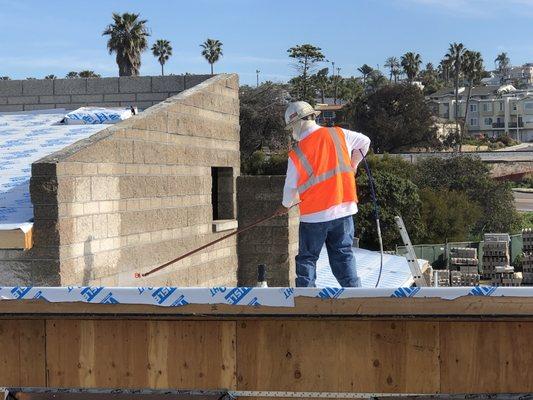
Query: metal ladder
column 412, row 260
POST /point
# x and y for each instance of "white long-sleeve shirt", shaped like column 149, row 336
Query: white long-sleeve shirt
column 355, row 141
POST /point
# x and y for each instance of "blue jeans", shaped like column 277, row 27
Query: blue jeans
column 338, row 236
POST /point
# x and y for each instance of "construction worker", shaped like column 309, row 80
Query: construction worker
column 320, row 174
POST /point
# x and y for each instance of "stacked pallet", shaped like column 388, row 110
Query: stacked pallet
column 495, row 254
column 464, row 266
column 527, row 258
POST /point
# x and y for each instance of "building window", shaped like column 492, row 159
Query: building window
column 501, row 105
column 488, row 121
column 514, row 105
column 528, row 106
column 473, row 107
column 487, row 107
column 222, row 193
column 473, row 121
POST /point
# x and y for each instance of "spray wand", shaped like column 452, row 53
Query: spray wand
column 375, row 212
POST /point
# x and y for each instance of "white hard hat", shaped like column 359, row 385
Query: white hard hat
column 298, row 110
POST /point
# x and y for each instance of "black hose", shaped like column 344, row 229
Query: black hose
column 376, row 213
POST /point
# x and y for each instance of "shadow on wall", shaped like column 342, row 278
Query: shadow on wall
column 88, row 261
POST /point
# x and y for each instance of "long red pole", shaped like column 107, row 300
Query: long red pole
column 190, row 253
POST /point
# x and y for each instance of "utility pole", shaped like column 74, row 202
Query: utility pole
column 336, row 85
column 257, row 77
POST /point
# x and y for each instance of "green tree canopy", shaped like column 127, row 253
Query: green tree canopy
column 447, row 215
column 471, row 176
column 306, row 57
column 396, row 196
column 393, row 117
column 411, row 65
column 261, row 118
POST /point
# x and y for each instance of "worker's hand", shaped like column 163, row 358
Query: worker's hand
column 281, row 210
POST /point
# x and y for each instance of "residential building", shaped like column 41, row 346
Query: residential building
column 330, row 111
column 493, row 110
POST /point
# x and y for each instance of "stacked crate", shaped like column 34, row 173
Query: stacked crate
column 527, row 258
column 495, row 254
column 464, row 266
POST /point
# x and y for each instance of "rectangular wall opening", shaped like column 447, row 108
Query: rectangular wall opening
column 222, row 193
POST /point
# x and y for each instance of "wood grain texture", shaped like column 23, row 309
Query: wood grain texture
column 22, row 353
column 365, row 356
column 141, row 354
column 486, row 357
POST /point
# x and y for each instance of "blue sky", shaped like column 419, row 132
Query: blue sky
column 56, row 36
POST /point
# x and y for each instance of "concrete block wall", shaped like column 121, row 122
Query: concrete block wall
column 139, row 91
column 275, row 242
column 138, row 194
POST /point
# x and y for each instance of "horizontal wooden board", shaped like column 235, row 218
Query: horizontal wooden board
column 340, row 356
column 16, row 239
column 304, row 306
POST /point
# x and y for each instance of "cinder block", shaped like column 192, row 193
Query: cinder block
column 120, row 97
column 22, row 99
column 3, row 100
column 41, row 87
column 135, row 84
column 11, row 88
column 102, row 85
column 11, row 107
column 31, row 107
column 171, row 83
column 86, row 98
column 153, row 97
column 70, row 86
column 193, row 80
column 54, row 99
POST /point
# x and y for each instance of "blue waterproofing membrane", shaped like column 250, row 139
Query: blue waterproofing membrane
column 26, row 137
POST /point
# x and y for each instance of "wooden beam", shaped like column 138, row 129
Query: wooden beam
column 16, row 239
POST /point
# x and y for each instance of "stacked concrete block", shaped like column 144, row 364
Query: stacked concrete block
column 464, row 261
column 505, row 276
column 139, row 194
column 139, row 91
column 495, row 253
column 273, row 243
column 527, row 257
column 442, row 277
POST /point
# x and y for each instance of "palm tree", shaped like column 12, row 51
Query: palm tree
column 128, row 39
column 455, row 54
column 393, row 65
column 72, row 75
column 503, row 63
column 376, row 80
column 162, row 50
column 445, row 67
column 472, row 68
column 212, row 51
column 411, row 65
column 88, row 74
column 365, row 70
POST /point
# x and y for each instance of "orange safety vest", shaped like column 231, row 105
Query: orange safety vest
column 326, row 177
